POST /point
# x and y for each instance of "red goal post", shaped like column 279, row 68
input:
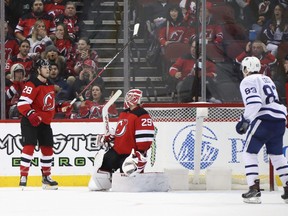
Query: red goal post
column 220, row 120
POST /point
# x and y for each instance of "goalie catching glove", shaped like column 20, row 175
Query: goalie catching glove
column 134, row 163
column 242, row 126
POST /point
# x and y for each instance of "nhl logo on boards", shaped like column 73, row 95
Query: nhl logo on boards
column 184, row 146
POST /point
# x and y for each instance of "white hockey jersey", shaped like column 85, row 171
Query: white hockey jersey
column 261, row 99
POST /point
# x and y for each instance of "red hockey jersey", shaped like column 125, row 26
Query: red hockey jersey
column 40, row 97
column 25, row 24
column 185, row 64
column 135, row 130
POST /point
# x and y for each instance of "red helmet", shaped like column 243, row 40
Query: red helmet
column 90, row 63
column 132, row 97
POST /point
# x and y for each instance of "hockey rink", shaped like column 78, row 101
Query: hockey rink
column 78, row 201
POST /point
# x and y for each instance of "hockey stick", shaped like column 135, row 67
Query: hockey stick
column 135, row 32
column 105, row 113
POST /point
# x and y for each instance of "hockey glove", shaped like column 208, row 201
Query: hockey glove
column 242, row 126
column 105, row 141
column 34, row 118
column 134, row 163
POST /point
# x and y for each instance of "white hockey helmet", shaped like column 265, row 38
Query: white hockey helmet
column 16, row 67
column 250, row 65
column 132, row 98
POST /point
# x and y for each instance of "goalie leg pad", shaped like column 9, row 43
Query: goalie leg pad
column 98, row 159
column 100, row 181
column 141, row 182
column 93, row 182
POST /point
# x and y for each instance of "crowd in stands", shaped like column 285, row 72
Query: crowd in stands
column 50, row 29
column 262, row 25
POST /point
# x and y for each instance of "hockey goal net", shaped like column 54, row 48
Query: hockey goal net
column 220, row 148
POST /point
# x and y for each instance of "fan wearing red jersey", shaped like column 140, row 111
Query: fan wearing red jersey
column 37, row 105
column 132, row 139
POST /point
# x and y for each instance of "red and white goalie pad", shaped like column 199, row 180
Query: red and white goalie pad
column 134, row 163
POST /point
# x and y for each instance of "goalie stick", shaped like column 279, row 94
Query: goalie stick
column 105, row 113
column 135, row 33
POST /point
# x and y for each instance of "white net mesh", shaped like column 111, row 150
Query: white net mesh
column 187, row 114
column 225, row 118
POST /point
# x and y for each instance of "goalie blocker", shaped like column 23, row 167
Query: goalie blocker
column 133, row 137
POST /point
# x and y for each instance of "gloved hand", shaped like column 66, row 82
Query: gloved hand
column 34, row 118
column 134, row 163
column 242, row 126
column 105, row 141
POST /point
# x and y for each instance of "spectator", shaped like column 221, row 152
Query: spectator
column 155, row 16
column 92, row 107
column 184, row 73
column 14, row 9
column 258, row 26
column 38, row 39
column 174, row 29
column 63, row 41
column 54, row 7
column 70, row 19
column 63, row 91
column 52, row 55
column 14, row 87
column 276, row 30
column 11, row 44
column 280, row 78
column 214, row 32
column 245, row 11
column 23, row 58
column 85, row 76
column 258, row 49
column 27, row 21
column 188, row 8
column 83, row 52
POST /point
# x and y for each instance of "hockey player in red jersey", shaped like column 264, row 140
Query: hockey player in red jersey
column 132, row 139
column 37, row 105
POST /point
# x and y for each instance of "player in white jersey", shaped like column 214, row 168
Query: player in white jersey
column 266, row 118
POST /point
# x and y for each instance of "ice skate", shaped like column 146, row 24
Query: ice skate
column 285, row 195
column 23, row 182
column 48, row 183
column 253, row 195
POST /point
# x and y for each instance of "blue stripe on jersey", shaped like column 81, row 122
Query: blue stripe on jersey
column 253, row 96
column 272, row 110
column 254, row 102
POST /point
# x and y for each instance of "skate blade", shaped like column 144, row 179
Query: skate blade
column 23, row 188
column 253, row 200
column 286, row 201
column 48, row 187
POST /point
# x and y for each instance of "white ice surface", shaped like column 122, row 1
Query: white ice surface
column 78, row 201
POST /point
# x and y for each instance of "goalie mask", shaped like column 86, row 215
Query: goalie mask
column 250, row 65
column 132, row 98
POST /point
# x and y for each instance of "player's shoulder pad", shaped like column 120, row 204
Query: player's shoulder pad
column 139, row 111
